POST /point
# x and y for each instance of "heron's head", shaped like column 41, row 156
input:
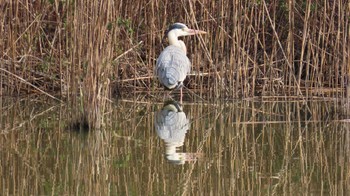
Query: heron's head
column 180, row 29
column 172, row 106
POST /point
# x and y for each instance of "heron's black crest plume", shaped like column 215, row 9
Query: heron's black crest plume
column 175, row 26
column 174, row 103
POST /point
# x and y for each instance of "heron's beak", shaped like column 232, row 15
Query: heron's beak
column 195, row 32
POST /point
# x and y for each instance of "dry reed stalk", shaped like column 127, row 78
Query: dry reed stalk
column 99, row 53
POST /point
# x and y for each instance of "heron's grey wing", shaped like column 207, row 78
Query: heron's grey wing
column 172, row 66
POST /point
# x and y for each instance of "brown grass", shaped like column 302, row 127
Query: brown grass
column 70, row 48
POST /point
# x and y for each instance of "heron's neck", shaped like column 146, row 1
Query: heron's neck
column 173, row 40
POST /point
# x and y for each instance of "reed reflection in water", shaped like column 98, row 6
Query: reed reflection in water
column 265, row 147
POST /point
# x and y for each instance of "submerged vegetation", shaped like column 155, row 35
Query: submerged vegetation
column 96, row 49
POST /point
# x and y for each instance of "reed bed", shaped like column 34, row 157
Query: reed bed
column 89, row 51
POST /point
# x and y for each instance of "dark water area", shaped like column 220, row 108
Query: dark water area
column 148, row 148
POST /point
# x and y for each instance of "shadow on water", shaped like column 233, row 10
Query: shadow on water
column 254, row 147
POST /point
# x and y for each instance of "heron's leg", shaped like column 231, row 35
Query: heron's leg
column 181, row 95
column 166, row 94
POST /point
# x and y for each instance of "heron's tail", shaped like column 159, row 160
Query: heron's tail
column 172, row 77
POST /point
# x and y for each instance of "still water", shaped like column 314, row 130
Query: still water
column 240, row 147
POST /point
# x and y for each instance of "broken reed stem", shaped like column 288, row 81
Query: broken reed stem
column 28, row 83
column 126, row 52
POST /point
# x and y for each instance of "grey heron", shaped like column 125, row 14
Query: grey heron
column 172, row 64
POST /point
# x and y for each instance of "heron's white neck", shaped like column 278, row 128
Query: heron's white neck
column 173, row 40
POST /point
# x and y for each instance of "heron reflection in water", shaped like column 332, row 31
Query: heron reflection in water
column 171, row 125
column 172, row 64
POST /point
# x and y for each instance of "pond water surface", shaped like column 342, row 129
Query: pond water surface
column 147, row 148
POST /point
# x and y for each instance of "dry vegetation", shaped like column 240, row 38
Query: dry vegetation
column 70, row 48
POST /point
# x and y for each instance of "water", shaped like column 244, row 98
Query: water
column 237, row 147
